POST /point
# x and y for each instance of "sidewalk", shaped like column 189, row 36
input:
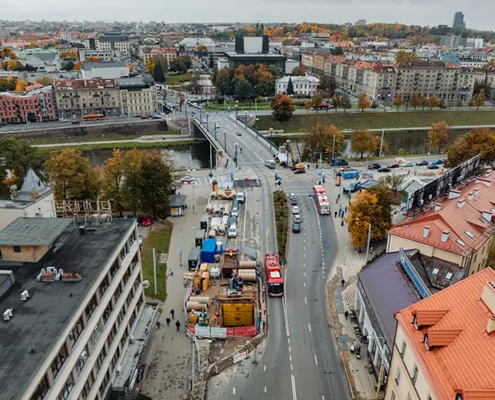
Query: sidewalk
column 169, row 371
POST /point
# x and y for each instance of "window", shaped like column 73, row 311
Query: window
column 415, row 374
column 470, row 234
column 397, row 377
column 65, row 393
column 41, row 389
column 76, row 331
column 435, row 271
column 17, row 249
column 59, row 361
column 403, row 349
column 449, row 276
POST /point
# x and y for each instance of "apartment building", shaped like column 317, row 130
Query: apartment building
column 458, row 229
column 355, row 79
column 302, row 84
column 71, row 299
column 103, row 55
column 113, row 41
column 35, row 106
column 77, row 97
column 379, row 82
column 138, row 96
column 307, row 59
column 444, row 347
column 319, row 62
column 170, row 54
column 486, row 76
column 330, row 65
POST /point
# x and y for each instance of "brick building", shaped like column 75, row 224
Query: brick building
column 36, row 106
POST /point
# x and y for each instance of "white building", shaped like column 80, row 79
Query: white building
column 33, row 200
column 113, row 41
column 138, row 96
column 103, row 55
column 104, row 70
column 302, row 84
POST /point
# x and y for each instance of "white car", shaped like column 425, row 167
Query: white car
column 240, row 197
column 235, row 212
column 233, row 231
column 295, row 210
column 187, row 179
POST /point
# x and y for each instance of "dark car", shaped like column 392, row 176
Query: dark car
column 384, row 169
column 394, row 165
column 437, row 162
column 144, row 117
column 374, row 166
column 336, row 162
column 433, row 166
column 296, row 228
column 421, row 163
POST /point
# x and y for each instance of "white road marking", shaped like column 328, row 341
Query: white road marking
column 304, row 284
column 265, row 389
column 304, row 255
column 304, row 248
column 293, row 382
column 304, row 273
column 290, row 358
column 288, row 342
column 284, row 306
column 291, row 367
column 309, row 326
column 289, row 349
column 233, row 390
column 305, row 301
column 264, row 367
column 316, row 361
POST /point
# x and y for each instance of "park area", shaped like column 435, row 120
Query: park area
column 377, row 120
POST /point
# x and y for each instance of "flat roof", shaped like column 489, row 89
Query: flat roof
column 88, row 66
column 25, row 231
column 177, row 200
column 38, row 323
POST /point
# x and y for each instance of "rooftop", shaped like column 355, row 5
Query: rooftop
column 113, row 37
column 25, row 231
column 37, row 323
column 88, row 66
column 269, row 56
column 460, row 359
column 33, row 188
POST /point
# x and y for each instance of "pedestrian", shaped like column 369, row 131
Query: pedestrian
column 177, row 324
column 172, row 312
column 338, row 196
column 168, row 321
column 170, row 271
column 158, row 323
column 335, row 214
column 346, row 314
column 342, row 282
column 371, row 250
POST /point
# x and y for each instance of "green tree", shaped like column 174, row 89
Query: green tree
column 131, row 189
column 69, row 66
column 158, row 74
column 112, row 180
column 362, row 141
column 439, row 135
column 243, row 90
column 336, row 101
column 282, row 106
column 316, row 100
column 17, row 156
column 384, row 197
column 479, row 100
column 286, row 42
column 393, row 181
column 337, row 51
column 345, row 102
column 222, row 81
column 327, row 85
column 398, row 101
column 478, row 141
column 290, row 87
column 363, row 102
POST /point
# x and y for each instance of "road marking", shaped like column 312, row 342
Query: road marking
column 316, row 361
column 322, row 397
column 304, row 248
column 323, row 263
column 304, row 284
column 304, row 264
column 284, row 306
column 264, row 367
column 309, row 326
column 304, row 273
column 291, row 367
column 304, row 255
column 293, row 382
column 290, row 358
column 289, row 349
column 233, row 390
column 265, row 389
column 305, row 301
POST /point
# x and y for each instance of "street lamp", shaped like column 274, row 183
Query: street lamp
column 236, row 111
column 271, row 134
column 207, row 127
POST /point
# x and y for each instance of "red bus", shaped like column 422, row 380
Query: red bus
column 93, row 117
column 321, row 200
column 274, row 276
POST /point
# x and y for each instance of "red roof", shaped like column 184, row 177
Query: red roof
column 461, row 355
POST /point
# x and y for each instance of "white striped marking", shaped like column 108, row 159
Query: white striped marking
column 309, row 326
column 293, row 382
column 305, row 301
column 233, row 390
column 316, row 361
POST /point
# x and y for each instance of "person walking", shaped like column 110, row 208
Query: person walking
column 342, row 282
column 168, row 321
column 172, row 312
column 346, row 313
column 335, row 216
column 158, row 324
column 177, row 324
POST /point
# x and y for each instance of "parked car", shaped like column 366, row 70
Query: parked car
column 384, row 169
column 297, row 219
column 374, row 166
column 421, row 163
column 239, row 133
column 235, row 211
column 295, row 210
column 292, row 196
column 393, row 165
column 432, row 166
column 144, row 117
column 353, row 187
column 147, row 220
column 437, row 162
column 187, row 179
column 337, row 162
column 62, row 120
column 233, row 231
column 296, row 228
column 408, row 164
column 240, row 197
column 140, row 239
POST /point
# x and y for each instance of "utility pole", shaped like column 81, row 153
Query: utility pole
column 368, row 246
column 154, row 269
column 211, row 160
column 381, row 142
column 225, row 140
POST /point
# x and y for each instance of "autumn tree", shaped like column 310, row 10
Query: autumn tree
column 439, row 135
column 414, row 100
column 328, row 85
column 364, row 211
column 17, row 156
column 150, row 65
column 345, row 102
column 131, row 188
column 336, row 101
column 299, row 70
column 422, row 101
column 316, row 100
column 72, row 174
column 20, row 86
column 479, row 100
column 402, row 57
column 282, row 106
column 460, row 103
column 398, row 101
column 13, row 65
column 112, row 180
column 393, row 181
column 384, row 197
column 433, row 102
column 45, row 81
column 8, row 53
column 131, row 69
column 362, row 141
column 478, row 141
column 380, row 144
column 471, row 103
column 290, row 87
column 32, row 45
column 363, row 102
column 307, row 105
column 320, row 140
column 201, row 47
column 77, row 66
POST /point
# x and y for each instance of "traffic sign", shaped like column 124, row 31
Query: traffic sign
column 309, row 195
column 180, row 252
column 319, row 173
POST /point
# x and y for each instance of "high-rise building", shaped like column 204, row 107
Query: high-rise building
column 458, row 21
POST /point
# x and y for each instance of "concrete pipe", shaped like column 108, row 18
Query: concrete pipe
column 196, row 306
column 249, row 275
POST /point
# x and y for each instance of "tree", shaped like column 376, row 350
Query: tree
column 300, row 70
column 14, row 66
column 243, row 90
column 69, row 66
column 336, row 101
column 20, row 86
column 195, row 86
column 433, row 102
column 7, row 52
column 363, row 102
column 72, row 174
column 384, row 197
column 222, row 81
column 459, row 103
column 45, row 81
column 423, row 101
column 439, row 135
column 181, row 64
column 362, row 141
column 478, row 141
column 479, row 100
column 282, row 106
column 7, row 84
column 131, row 188
column 380, row 144
column 17, row 156
column 402, row 57
column 320, row 139
column 394, row 181
column 363, row 211
column 328, row 85
column 131, row 69
column 150, row 65
column 337, row 51
column 286, row 42
column 265, row 85
column 345, row 102
column 398, row 101
column 77, row 66
column 414, row 100
column 201, row 47
column 316, row 100
column 112, row 180
column 307, row 105
column 158, row 74
column 290, row 87
column 471, row 103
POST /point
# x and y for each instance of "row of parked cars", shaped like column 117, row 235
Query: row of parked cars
column 435, row 164
column 296, row 216
column 234, row 215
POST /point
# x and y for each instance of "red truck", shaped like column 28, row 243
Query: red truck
column 274, row 275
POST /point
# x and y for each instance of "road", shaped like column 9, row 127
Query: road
column 287, row 369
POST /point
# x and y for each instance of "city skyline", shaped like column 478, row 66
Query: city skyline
column 423, row 13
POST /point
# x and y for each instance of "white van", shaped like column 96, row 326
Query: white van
column 233, row 231
column 272, row 164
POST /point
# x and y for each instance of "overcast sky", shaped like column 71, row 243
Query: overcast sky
column 479, row 15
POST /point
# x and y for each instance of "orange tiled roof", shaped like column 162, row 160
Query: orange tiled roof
column 428, row 317
column 466, row 363
column 457, row 220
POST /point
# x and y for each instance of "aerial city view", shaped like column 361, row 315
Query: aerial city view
column 202, row 201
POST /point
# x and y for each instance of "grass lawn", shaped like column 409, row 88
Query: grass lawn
column 175, row 79
column 158, row 238
column 242, row 106
column 378, row 120
column 99, row 138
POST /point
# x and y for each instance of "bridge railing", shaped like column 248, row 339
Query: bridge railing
column 263, row 139
column 209, row 136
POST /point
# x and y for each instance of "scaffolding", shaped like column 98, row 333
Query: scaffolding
column 87, row 212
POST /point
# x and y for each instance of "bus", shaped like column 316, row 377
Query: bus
column 274, row 276
column 93, row 117
column 321, row 200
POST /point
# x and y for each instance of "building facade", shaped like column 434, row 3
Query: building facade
column 104, row 70
column 103, row 55
column 307, row 85
column 113, row 41
column 458, row 23
column 35, row 106
column 77, row 97
column 170, row 54
column 137, row 96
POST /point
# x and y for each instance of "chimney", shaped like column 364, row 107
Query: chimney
column 470, row 195
column 487, row 215
column 438, row 206
column 454, row 194
column 426, row 232
column 488, row 298
column 476, row 191
column 460, row 203
column 445, row 235
column 484, row 181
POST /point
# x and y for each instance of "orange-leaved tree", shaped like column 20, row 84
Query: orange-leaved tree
column 282, row 106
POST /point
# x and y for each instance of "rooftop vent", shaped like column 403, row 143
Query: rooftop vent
column 454, row 194
column 476, row 191
column 445, row 235
column 470, row 195
column 487, row 215
column 460, row 203
column 488, row 298
column 24, row 295
column 426, row 232
column 438, row 206
column 7, row 315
